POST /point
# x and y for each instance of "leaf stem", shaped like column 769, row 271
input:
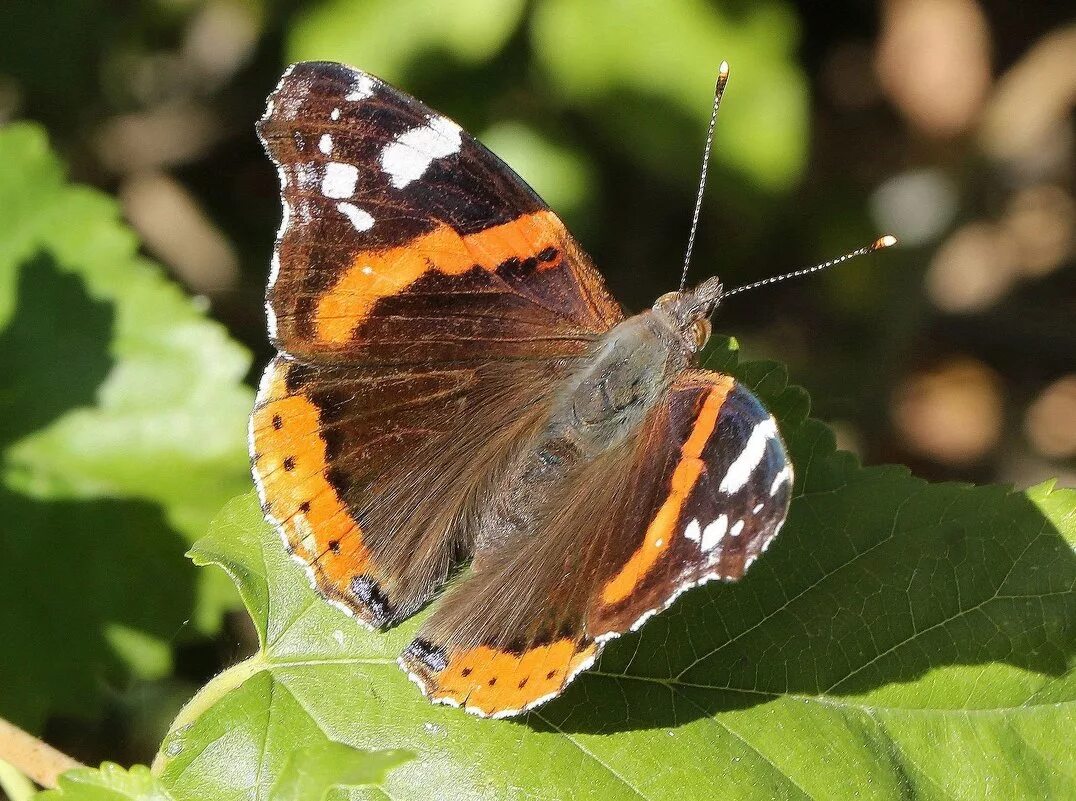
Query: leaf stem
column 12, row 782
column 217, row 687
column 32, row 757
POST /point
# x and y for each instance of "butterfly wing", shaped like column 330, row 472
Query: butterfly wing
column 697, row 494
column 723, row 496
column 373, row 476
column 425, row 302
column 404, row 239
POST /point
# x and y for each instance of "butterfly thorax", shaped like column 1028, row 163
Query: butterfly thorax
column 606, row 399
column 603, row 404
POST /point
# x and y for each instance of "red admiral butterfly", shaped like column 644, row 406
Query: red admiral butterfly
column 455, row 383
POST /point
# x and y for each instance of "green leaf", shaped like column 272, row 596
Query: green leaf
column 314, row 770
column 109, row 783
column 672, row 66
column 122, row 420
column 385, row 36
column 900, row 640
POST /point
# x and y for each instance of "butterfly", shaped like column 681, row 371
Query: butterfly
column 456, row 385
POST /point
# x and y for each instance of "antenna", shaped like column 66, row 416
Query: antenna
column 719, row 89
column 878, row 244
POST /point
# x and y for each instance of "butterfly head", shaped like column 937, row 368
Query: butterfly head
column 689, row 312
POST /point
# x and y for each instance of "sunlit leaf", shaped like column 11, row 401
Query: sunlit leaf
column 384, row 36
column 314, row 770
column 633, row 66
column 109, row 783
column 121, row 432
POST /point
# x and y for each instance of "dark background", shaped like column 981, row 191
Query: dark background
column 945, row 122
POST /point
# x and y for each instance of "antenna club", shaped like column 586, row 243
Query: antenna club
column 879, row 243
column 723, row 70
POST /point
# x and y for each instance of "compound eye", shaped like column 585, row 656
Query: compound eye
column 700, row 333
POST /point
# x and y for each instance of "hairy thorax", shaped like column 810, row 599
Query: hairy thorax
column 602, row 404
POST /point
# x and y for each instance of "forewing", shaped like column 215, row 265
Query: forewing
column 697, row 494
column 373, row 476
column 404, row 239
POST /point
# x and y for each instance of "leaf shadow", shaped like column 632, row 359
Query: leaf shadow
column 806, row 626
column 82, row 581
column 54, row 350
column 878, row 579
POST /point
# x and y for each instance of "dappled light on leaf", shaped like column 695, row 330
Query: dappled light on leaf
column 121, row 433
column 109, row 783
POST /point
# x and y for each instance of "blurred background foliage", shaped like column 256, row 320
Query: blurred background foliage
column 948, row 123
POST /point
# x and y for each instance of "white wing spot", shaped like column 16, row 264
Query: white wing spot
column 325, row 144
column 406, row 159
column 715, row 532
column 658, row 543
column 306, row 532
column 693, row 532
column 744, row 465
column 362, row 220
column 737, row 527
column 361, row 88
column 339, row 181
column 335, row 114
column 270, row 321
column 757, row 509
column 784, row 477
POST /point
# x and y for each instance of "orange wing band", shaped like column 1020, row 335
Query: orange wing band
column 686, row 474
column 377, row 274
column 496, row 683
column 289, row 465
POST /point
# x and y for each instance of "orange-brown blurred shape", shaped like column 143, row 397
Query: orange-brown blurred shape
column 177, row 230
column 933, row 62
column 973, row 268
column 1042, row 221
column 981, row 261
column 1051, row 420
column 952, row 413
column 1028, row 119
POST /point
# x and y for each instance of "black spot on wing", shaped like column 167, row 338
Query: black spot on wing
column 368, row 593
column 430, row 656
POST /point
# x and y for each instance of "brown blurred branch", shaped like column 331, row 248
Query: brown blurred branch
column 34, row 758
